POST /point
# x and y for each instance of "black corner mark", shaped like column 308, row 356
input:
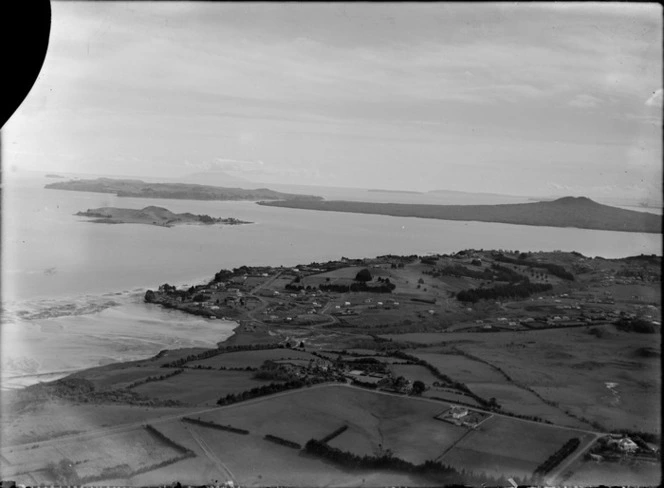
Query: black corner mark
column 25, row 28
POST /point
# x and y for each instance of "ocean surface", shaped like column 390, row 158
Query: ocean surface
column 72, row 290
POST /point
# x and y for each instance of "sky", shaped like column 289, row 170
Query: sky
column 512, row 98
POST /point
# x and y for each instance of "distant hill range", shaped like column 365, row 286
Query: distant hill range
column 378, row 190
column 578, row 212
column 152, row 216
column 181, row 191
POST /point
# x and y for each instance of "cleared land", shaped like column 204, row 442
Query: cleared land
column 254, row 359
column 503, row 446
column 200, row 387
column 404, row 425
column 129, row 451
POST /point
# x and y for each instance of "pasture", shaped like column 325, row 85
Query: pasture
column 461, row 368
column 404, row 425
column 200, row 386
column 509, row 447
column 571, row 366
column 254, row 359
column 135, row 449
column 587, row 473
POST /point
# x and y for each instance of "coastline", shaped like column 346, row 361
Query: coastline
column 37, row 349
column 457, row 213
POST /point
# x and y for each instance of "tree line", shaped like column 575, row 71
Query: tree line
column 433, row 470
column 333, row 434
column 269, row 389
column 282, row 441
column 150, row 379
column 214, row 425
column 557, row 457
column 520, row 290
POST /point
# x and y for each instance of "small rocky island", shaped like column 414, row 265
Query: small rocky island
column 152, row 216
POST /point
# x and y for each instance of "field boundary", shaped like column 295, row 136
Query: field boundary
column 214, row 425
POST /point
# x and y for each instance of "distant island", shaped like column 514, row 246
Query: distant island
column 181, row 191
column 53, row 175
column 152, row 216
column 578, row 212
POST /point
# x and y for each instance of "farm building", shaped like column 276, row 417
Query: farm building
column 458, row 412
column 628, row 445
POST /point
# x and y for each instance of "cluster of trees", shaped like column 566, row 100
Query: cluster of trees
column 214, row 425
column 557, row 457
column 637, row 436
column 363, row 275
column 271, row 370
column 268, row 390
column 372, row 365
column 520, row 290
column 150, row 379
column 282, row 441
column 223, row 275
column 502, row 273
column 635, row 325
column 457, row 385
column 418, row 388
column 554, row 269
column 364, row 384
column 432, row 470
column 360, row 286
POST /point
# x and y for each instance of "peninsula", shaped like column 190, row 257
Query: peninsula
column 578, row 212
column 180, row 191
column 152, row 216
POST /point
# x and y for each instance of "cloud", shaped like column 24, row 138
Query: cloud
column 584, row 101
column 656, row 99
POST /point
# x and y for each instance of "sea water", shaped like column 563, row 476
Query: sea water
column 72, row 290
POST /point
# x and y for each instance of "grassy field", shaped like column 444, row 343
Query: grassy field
column 461, row 368
column 255, row 359
column 405, row 425
column 612, row 474
column 200, row 386
column 54, row 419
column 569, row 367
column 135, row 449
column 564, row 365
column 504, row 446
column 522, row 402
column 253, row 461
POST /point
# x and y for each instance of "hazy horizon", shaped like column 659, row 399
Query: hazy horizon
column 513, row 99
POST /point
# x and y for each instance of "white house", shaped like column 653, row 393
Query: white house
column 458, row 412
column 628, row 445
